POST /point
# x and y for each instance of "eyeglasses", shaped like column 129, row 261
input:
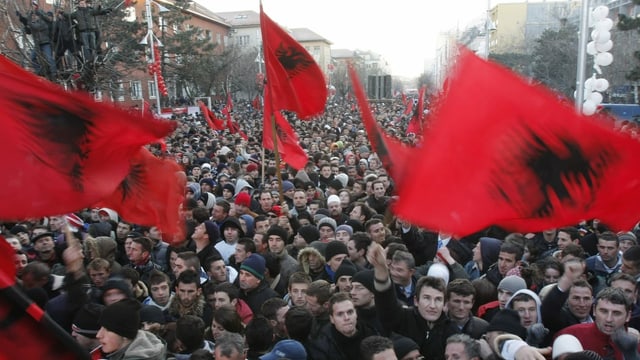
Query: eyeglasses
column 273, row 216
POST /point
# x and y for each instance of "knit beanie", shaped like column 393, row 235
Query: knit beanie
column 565, row 344
column 343, row 178
column 119, row 284
column 512, row 284
column 507, row 320
column 122, row 318
column 403, row 345
column 229, row 187
column 276, row 230
column 255, row 264
column 335, row 184
column 152, row 314
column 327, row 221
column 346, row 228
column 212, row 231
column 364, row 277
column 17, row 229
column 287, row 185
column 233, row 222
column 243, row 199
column 439, row 271
column 356, row 225
column 335, row 248
column 346, row 268
column 85, row 322
column 333, row 198
column 309, row 233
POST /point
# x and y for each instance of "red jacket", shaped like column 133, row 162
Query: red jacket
column 593, row 339
column 244, row 311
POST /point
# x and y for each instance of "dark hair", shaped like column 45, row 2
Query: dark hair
column 574, row 250
column 608, row 236
column 337, row 298
column 201, row 214
column 512, row 248
column 248, row 244
column 145, row 242
column 190, row 259
column 361, row 241
column 259, row 333
column 272, row 263
column 298, row 322
column 190, row 332
column 270, row 307
column 157, row 277
column 573, row 232
column 520, row 297
column 188, row 277
column 229, row 289
column 462, row 287
column 432, row 282
column 321, row 290
column 373, row 345
column 624, row 277
column 471, row 347
column 130, row 274
column 614, row 296
column 632, row 255
column 299, row 277
column 229, row 319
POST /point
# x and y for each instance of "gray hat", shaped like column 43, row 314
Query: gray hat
column 512, row 284
column 327, row 221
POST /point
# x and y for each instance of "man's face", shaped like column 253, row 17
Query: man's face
column 276, row 244
column 123, row 230
column 357, row 189
column 20, row 260
column 528, row 311
column 608, row 250
column 579, row 301
column 564, row 239
column 112, row 296
column 231, row 234
column 356, row 213
column 430, row 303
column 455, row 351
column 629, row 289
column 400, row 272
column 218, row 213
column 99, row 277
column 200, row 232
column 240, row 253
column 506, row 262
column 551, row 275
column 299, row 199
column 335, row 261
column 326, row 233
column 262, row 226
column 160, row 293
column 459, row 306
column 266, row 201
column 325, row 171
column 343, row 236
column 314, row 262
column 334, row 208
column 629, row 268
column 361, row 296
column 221, row 299
column 56, row 222
column 298, row 293
column 378, row 190
column 187, row 294
column 344, row 283
column 218, row 271
column 377, row 233
column 610, row 317
column 136, row 253
column 248, row 281
column 344, row 318
column 503, row 297
column 354, row 254
column 44, row 245
column 313, row 208
column 316, row 309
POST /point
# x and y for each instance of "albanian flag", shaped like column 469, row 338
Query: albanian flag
column 233, row 127
column 150, row 194
column 213, row 122
column 417, row 120
column 26, row 331
column 287, row 140
column 296, row 81
column 518, row 157
column 392, row 153
column 62, row 151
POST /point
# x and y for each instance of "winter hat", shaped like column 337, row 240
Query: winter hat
column 335, row 248
column 208, row 199
column 212, row 231
column 309, row 233
column 205, row 166
column 356, row 225
column 255, row 264
column 363, row 149
column 332, row 199
column 512, row 284
column 403, row 345
column 232, row 222
column 346, row 228
column 364, row 277
column 624, row 237
column 287, row 185
column 276, row 210
column 507, row 320
column 327, row 221
column 277, row 231
column 122, row 318
column 209, row 182
column 119, row 284
column 440, row 271
column 243, row 199
column 45, row 234
column 152, row 314
column 252, row 167
column 343, row 178
column 286, row 349
column 346, row 268
column 85, row 322
column 248, row 219
column 335, row 184
column 229, row 187
column 17, row 229
column 565, row 344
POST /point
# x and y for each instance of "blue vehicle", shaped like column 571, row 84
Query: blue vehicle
column 622, row 111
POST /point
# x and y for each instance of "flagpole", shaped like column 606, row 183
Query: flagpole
column 582, row 55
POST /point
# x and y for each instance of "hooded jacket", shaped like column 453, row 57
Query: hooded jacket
column 489, row 251
column 144, row 346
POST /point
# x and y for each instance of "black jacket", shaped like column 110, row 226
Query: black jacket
column 332, row 345
column 256, row 297
column 555, row 316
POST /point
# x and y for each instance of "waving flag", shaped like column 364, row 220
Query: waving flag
column 68, row 150
column 287, row 140
column 518, row 157
column 211, row 119
column 150, row 194
column 295, row 79
column 417, row 120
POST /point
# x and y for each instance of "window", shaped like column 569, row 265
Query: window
column 120, row 91
column 243, row 40
column 97, row 95
column 152, row 90
column 136, row 90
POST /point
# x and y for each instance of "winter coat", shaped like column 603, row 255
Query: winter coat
column 593, row 339
column 40, row 28
column 85, row 17
column 256, row 297
column 332, row 345
column 144, row 346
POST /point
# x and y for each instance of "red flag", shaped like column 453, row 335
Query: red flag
column 409, row 107
column 256, row 103
column 213, row 122
column 416, row 122
column 67, row 149
column 404, row 99
column 26, row 331
column 150, row 194
column 229, row 105
column 288, row 144
column 518, row 157
column 392, row 153
column 296, row 81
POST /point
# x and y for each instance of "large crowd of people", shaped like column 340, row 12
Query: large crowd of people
column 313, row 264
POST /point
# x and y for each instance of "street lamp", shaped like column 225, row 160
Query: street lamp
column 151, row 39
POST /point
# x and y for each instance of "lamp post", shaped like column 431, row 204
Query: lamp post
column 582, row 55
column 150, row 39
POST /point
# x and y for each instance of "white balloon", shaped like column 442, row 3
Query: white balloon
column 592, row 49
column 603, row 37
column 595, row 34
column 595, row 97
column 601, row 85
column 589, row 84
column 604, row 25
column 588, row 107
column 600, row 12
column 604, row 59
column 602, row 47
